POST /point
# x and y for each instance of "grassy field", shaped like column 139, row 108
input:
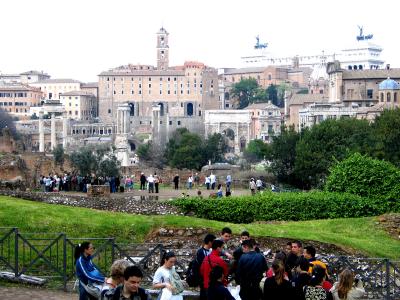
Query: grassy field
column 361, row 234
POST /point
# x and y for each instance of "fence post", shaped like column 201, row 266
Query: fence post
column 112, row 250
column 387, row 267
column 16, row 252
column 64, row 261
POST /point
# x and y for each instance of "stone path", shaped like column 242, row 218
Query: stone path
column 32, row 293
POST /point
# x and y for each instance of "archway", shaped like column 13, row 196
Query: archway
column 131, row 109
column 132, row 146
column 229, row 136
column 189, row 109
column 161, row 105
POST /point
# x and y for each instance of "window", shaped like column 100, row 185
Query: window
column 370, row 93
column 395, row 97
column 109, row 111
column 388, row 97
column 381, row 97
column 179, row 123
column 149, row 78
column 170, row 122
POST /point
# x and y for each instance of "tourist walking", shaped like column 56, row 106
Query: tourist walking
column 150, row 181
column 213, row 180
column 157, row 180
column 190, row 182
column 142, row 182
column 86, row 271
column 176, row 181
column 228, row 181
column 259, row 184
column 207, row 182
column 196, row 180
column 252, row 186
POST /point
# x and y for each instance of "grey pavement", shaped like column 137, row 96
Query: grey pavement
column 32, row 293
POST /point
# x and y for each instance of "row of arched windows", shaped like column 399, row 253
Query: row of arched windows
column 388, row 97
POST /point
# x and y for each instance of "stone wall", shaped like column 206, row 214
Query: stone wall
column 129, row 204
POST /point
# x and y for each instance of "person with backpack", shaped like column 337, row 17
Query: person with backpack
column 212, row 260
column 87, row 272
column 193, row 277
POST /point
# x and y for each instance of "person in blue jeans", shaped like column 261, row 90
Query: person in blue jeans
column 86, row 270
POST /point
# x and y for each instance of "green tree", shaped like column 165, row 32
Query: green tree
column 215, row 148
column 246, row 91
column 143, row 151
column 7, row 122
column 272, row 94
column 283, row 154
column 366, row 177
column 328, row 142
column 256, row 150
column 59, row 155
column 387, row 134
column 152, row 153
column 98, row 160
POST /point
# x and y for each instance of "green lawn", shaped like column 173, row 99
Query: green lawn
column 361, row 234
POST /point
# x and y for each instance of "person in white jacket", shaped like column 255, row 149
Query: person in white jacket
column 346, row 289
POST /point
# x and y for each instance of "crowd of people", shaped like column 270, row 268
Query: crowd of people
column 292, row 273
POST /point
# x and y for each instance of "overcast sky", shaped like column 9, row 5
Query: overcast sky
column 81, row 38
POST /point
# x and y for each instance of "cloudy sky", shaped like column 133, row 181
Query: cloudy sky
column 80, row 38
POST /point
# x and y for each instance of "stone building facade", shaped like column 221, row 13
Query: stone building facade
column 53, row 88
column 80, row 105
column 17, row 99
column 182, row 93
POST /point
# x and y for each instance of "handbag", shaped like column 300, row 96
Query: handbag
column 176, row 282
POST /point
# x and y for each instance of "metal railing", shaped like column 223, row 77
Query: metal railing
column 51, row 256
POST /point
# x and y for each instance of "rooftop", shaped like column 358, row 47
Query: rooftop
column 33, row 72
column 61, row 80
column 78, row 93
column 301, row 99
column 371, row 74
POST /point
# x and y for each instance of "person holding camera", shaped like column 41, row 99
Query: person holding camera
column 348, row 287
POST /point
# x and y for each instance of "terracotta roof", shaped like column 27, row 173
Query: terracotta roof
column 371, row 74
column 17, row 87
column 300, row 99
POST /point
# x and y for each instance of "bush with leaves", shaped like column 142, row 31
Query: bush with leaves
column 285, row 206
column 367, row 177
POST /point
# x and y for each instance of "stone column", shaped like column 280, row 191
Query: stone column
column 167, row 128
column 53, row 131
column 41, row 132
column 237, row 140
column 65, row 129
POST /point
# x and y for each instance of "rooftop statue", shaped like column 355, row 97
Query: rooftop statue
column 258, row 45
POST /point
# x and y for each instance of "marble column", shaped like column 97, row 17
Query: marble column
column 41, row 132
column 65, row 129
column 53, row 131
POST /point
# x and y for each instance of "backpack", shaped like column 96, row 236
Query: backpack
column 193, row 277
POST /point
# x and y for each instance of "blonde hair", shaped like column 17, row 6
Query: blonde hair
column 279, row 271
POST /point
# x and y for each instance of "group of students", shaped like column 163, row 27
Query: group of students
column 293, row 274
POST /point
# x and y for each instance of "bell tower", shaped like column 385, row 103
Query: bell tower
column 162, row 49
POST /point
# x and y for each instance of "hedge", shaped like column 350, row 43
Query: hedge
column 270, row 206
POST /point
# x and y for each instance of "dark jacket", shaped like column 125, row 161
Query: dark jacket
column 274, row 291
column 219, row 292
column 250, row 269
column 86, row 270
column 115, row 294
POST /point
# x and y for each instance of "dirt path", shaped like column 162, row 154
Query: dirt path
column 32, row 293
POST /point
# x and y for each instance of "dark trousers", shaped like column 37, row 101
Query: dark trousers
column 142, row 185
column 203, row 293
column 156, row 186
column 176, row 185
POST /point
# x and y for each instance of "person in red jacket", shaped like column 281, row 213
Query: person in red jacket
column 212, row 260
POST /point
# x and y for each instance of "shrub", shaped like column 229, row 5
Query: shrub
column 367, row 177
column 285, row 206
